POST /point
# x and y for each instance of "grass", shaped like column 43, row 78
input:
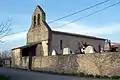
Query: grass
column 2, row 77
column 82, row 75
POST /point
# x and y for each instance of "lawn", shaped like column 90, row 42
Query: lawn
column 2, row 77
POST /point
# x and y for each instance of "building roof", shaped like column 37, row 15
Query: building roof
column 113, row 44
column 27, row 45
column 78, row 35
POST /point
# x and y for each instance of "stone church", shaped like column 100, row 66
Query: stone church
column 42, row 40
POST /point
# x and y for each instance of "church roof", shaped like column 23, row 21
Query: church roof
column 78, row 35
column 28, row 45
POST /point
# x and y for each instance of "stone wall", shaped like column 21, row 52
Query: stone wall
column 100, row 64
column 16, row 57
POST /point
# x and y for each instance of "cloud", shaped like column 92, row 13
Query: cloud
column 89, row 30
column 14, row 37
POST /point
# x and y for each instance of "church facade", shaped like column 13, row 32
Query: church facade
column 42, row 40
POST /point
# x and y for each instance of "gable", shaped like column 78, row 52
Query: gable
column 39, row 29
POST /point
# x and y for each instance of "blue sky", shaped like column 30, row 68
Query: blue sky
column 105, row 24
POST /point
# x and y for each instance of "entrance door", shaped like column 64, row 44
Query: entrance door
column 30, row 61
column 32, row 52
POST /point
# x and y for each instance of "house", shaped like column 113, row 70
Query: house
column 115, row 47
column 42, row 40
column 111, row 46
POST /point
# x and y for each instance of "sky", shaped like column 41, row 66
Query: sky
column 105, row 24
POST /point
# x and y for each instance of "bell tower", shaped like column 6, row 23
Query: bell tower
column 38, row 16
column 39, row 30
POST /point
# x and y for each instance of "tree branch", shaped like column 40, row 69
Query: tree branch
column 4, row 29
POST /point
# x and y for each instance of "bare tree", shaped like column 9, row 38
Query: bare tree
column 5, row 54
column 4, row 29
column 5, row 58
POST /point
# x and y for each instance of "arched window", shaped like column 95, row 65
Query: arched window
column 34, row 20
column 38, row 19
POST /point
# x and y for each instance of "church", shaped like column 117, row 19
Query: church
column 42, row 40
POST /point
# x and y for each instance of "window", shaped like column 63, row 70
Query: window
column 34, row 20
column 38, row 19
column 61, row 45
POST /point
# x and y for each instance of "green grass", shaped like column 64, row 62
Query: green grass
column 2, row 77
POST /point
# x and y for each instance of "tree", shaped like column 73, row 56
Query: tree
column 4, row 29
column 5, row 58
column 5, row 54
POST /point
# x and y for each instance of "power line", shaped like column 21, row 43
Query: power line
column 90, row 14
column 79, row 18
column 79, row 11
column 69, row 14
column 16, row 32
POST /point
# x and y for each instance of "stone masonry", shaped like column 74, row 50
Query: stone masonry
column 100, row 64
